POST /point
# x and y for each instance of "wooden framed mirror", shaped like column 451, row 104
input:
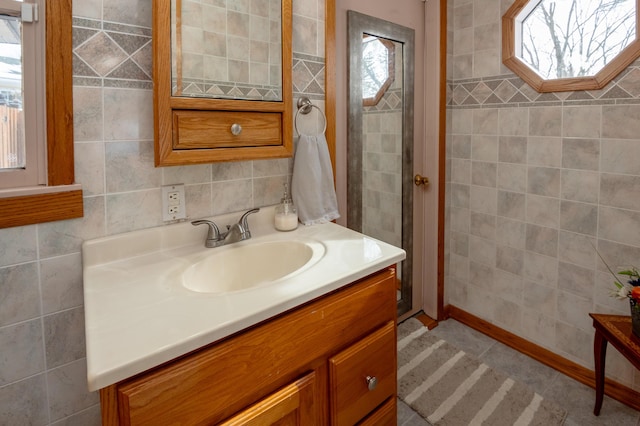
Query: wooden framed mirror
column 570, row 45
column 222, row 81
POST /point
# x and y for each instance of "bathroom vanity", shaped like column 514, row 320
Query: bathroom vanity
column 316, row 346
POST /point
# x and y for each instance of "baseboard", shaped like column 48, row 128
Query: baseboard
column 425, row 319
column 569, row 368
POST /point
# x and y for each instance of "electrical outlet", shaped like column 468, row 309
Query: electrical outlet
column 173, row 202
column 174, row 198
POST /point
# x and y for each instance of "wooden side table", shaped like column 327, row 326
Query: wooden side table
column 615, row 329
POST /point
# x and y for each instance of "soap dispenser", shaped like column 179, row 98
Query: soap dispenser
column 286, row 215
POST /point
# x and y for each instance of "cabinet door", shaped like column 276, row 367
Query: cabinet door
column 291, row 405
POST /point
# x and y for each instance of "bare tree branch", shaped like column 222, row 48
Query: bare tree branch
column 579, row 38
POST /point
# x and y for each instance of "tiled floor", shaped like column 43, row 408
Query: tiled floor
column 573, row 396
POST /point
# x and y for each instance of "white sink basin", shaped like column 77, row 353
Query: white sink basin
column 139, row 312
column 241, row 267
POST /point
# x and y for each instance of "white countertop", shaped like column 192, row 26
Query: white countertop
column 138, row 314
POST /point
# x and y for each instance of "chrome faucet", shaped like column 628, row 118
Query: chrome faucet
column 237, row 232
column 213, row 236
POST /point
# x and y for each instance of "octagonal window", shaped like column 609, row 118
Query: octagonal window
column 378, row 58
column 555, row 45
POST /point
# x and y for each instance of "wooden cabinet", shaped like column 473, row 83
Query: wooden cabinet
column 211, row 107
column 311, row 365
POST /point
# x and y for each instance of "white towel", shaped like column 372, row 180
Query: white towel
column 312, row 183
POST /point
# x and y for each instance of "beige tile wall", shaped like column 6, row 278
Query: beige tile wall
column 42, row 355
column 534, row 183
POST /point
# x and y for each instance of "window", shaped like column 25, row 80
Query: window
column 575, row 39
column 55, row 195
column 570, row 45
column 378, row 73
column 21, row 65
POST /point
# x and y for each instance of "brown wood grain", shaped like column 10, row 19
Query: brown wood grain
column 59, row 90
column 292, row 405
column 212, row 129
column 373, row 356
column 330, row 78
column 601, row 79
column 427, row 321
column 109, row 406
column 385, row 415
column 169, row 150
column 212, row 384
column 19, row 211
column 26, row 210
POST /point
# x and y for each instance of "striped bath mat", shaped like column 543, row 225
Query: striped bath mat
column 448, row 387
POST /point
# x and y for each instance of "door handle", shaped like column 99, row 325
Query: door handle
column 421, row 180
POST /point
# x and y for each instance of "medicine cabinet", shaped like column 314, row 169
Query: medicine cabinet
column 222, row 81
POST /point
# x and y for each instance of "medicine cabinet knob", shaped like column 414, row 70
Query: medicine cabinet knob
column 236, row 129
column 372, row 382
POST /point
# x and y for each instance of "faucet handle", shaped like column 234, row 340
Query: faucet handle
column 213, row 236
column 244, row 223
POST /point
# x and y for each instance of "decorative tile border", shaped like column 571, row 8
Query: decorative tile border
column 117, row 55
column 511, row 91
column 308, row 80
column 308, row 76
column 228, row 90
column 111, row 55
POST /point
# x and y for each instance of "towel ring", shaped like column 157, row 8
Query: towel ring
column 304, row 107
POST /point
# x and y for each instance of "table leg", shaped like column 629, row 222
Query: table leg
column 600, row 353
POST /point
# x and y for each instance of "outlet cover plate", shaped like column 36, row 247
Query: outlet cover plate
column 174, row 205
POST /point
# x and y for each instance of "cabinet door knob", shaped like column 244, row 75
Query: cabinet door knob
column 236, row 129
column 372, row 382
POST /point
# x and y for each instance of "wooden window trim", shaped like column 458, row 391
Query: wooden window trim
column 618, row 64
column 51, row 204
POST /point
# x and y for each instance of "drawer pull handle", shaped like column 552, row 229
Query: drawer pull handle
column 236, row 129
column 372, row 382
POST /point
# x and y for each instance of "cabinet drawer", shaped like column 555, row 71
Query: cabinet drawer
column 385, row 415
column 352, row 370
column 212, row 129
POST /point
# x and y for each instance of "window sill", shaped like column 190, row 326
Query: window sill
column 30, row 206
